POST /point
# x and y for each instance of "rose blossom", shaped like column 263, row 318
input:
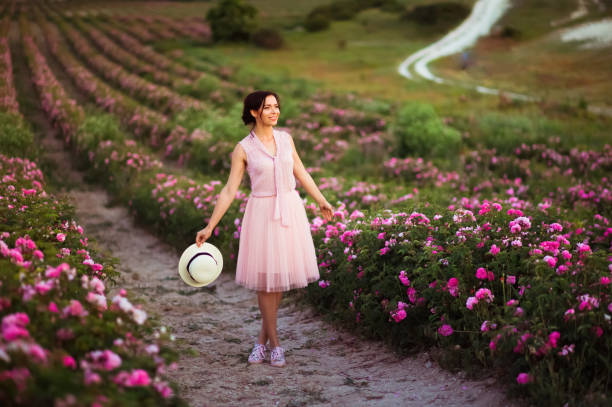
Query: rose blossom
column 445, row 330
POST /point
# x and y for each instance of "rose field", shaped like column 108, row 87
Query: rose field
column 476, row 228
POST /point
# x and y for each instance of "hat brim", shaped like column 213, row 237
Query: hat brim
column 192, row 251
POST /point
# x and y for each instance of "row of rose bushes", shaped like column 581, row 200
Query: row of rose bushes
column 334, row 129
column 114, row 40
column 149, row 28
column 15, row 135
column 529, row 160
column 8, row 96
column 191, row 139
column 119, row 45
column 159, row 97
column 62, row 339
column 572, row 184
column 500, row 285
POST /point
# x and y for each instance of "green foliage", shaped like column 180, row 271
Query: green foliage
column 205, row 85
column 375, row 106
column 288, row 86
column 227, row 126
column 97, row 128
column 232, row 20
column 419, row 131
column 506, row 132
column 16, row 138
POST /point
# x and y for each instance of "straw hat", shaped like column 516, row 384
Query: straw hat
column 200, row 266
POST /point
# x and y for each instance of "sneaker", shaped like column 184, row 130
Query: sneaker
column 277, row 357
column 258, row 354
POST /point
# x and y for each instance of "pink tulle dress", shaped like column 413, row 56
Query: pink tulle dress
column 276, row 251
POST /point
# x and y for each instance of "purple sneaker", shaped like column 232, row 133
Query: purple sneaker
column 277, row 357
column 258, row 354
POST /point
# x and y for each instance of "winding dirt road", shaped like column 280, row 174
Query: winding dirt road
column 484, row 15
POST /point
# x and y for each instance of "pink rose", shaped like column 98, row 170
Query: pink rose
column 445, row 330
column 398, row 315
column 69, row 361
column 523, row 378
column 471, row 301
column 404, row 278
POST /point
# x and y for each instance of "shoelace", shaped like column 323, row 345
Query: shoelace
column 259, row 352
column 277, row 354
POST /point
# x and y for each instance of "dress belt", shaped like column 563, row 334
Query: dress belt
column 280, row 208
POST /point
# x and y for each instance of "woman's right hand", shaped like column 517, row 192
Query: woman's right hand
column 203, row 235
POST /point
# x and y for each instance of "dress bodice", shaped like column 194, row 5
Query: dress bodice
column 270, row 175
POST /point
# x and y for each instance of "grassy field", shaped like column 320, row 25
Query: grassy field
column 361, row 55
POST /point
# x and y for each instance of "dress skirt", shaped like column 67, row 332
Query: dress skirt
column 273, row 257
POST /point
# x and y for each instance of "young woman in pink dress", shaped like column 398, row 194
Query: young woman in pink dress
column 276, row 251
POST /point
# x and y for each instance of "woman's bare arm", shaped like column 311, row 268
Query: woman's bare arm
column 227, row 194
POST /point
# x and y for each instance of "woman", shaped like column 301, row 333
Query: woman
column 276, row 252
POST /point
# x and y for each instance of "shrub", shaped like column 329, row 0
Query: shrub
column 513, row 290
column 419, row 131
column 268, row 38
column 97, row 128
column 506, row 132
column 447, row 13
column 510, row 32
column 207, row 84
column 316, row 22
column 16, row 139
column 64, row 338
column 232, row 20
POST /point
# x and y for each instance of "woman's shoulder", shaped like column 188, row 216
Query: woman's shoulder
column 246, row 140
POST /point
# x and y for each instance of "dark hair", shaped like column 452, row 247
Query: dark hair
column 254, row 101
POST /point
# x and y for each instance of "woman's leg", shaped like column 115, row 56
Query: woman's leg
column 263, row 335
column 278, row 299
column 268, row 305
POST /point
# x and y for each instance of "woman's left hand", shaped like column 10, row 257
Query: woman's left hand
column 326, row 210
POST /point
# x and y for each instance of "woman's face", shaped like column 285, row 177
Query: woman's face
column 269, row 112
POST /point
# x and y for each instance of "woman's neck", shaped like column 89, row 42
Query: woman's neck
column 263, row 132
